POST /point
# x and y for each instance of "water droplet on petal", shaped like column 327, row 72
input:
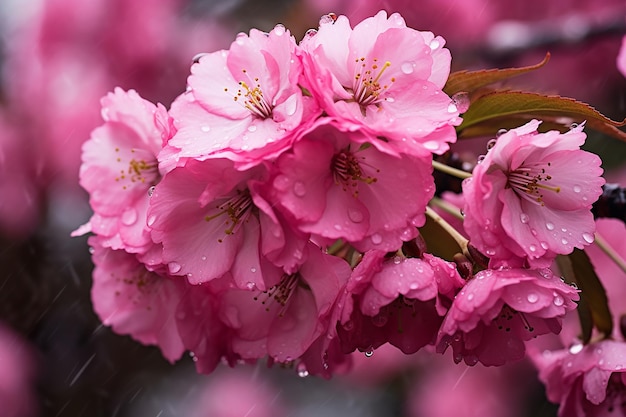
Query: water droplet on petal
column 558, row 301
column 174, row 267
column 434, row 44
column 550, row 226
column 151, row 220
column 376, row 239
column 279, row 30
column 564, row 241
column 129, row 217
column 310, row 33
column 299, row 189
column 253, row 270
column 355, row 215
column 369, row 352
column 500, row 132
column 576, row 348
column 490, row 252
column 589, row 238
column 462, row 101
column 328, row 19
column 577, row 189
column 470, row 297
column 544, row 245
column 414, row 285
column 523, row 217
column 252, row 128
column 337, row 227
column 532, row 248
column 452, row 108
column 532, row 298
column 302, row 371
column 491, row 143
column 151, row 191
column 205, row 128
column 407, row 67
column 397, row 260
column 480, row 159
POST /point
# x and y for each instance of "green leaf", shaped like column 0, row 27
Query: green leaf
column 469, row 81
column 503, row 108
column 577, row 268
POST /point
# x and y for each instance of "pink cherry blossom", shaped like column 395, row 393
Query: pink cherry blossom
column 242, row 100
column 283, row 321
column 498, row 310
column 383, row 77
column 587, row 381
column 211, row 219
column 531, row 196
column 135, row 301
column 395, row 300
column 120, row 167
column 337, row 186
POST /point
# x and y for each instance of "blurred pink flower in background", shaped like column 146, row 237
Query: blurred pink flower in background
column 18, row 376
column 621, row 57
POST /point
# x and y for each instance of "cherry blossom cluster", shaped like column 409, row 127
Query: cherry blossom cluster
column 274, row 211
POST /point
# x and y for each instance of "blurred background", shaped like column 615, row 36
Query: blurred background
column 59, row 57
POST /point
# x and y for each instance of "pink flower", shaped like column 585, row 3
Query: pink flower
column 120, row 166
column 211, row 219
column 500, row 309
column 337, row 186
column 385, row 78
column 283, row 321
column 242, row 100
column 621, row 58
column 395, row 300
column 531, row 196
column 135, row 301
column 18, row 377
column 587, row 381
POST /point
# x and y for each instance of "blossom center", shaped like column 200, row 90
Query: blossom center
column 505, row 320
column 236, row 209
column 251, row 97
column 281, row 293
column 139, row 171
column 366, row 86
column 347, row 172
column 531, row 181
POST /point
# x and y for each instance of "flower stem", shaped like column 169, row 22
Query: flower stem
column 447, row 207
column 451, row 171
column 610, row 252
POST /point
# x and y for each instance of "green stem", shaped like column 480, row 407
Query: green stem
column 447, row 207
column 451, row 171
column 610, row 252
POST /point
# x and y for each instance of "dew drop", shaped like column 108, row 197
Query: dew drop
column 462, row 101
column 550, row 226
column 291, row 105
column 576, row 348
column 302, row 371
column 431, row 145
column 376, row 239
column 253, row 270
column 328, row 19
column 588, row 237
column 500, row 132
column 338, row 227
column 397, row 260
column 577, row 189
column 564, row 241
column 452, row 108
column 407, row 67
column 369, row 352
column 151, row 220
column 279, row 30
column 480, row 159
column 299, row 189
column 532, row 248
column 546, row 273
column 174, row 267
column 434, row 44
column 532, row 298
column 203, row 258
column 558, row 301
column 252, row 128
column 151, row 191
column 491, row 143
column 205, row 128
column 310, row 33
column 129, row 217
column 490, row 252
column 470, row 297
column 544, row 245
column 355, row 215
column 523, row 217
column 390, row 100
column 414, row 285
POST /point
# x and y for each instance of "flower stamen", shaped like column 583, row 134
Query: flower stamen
column 347, row 171
column 237, row 208
column 529, row 181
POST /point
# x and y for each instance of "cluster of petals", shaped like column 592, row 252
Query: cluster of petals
column 586, row 380
column 530, row 197
column 498, row 310
column 395, row 300
column 228, row 201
